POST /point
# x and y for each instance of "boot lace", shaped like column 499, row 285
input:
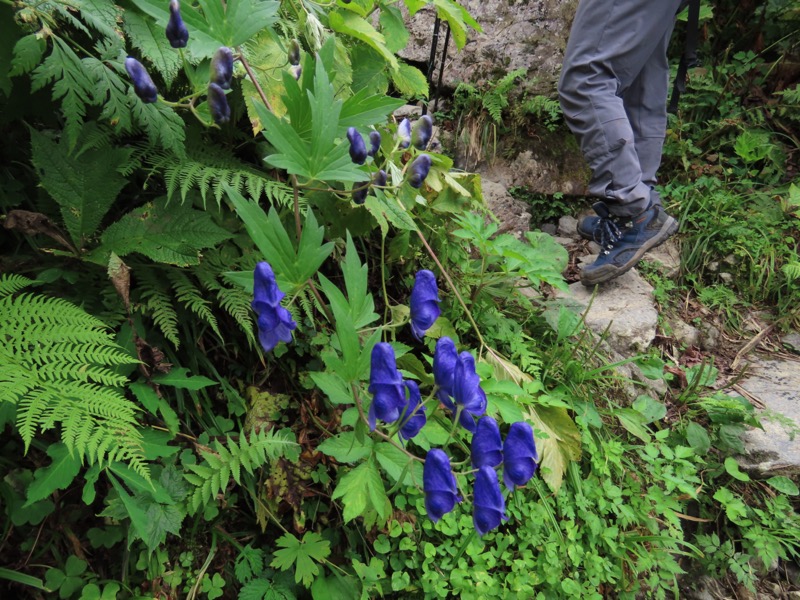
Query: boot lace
column 607, row 233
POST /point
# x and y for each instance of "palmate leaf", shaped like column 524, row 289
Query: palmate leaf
column 366, row 108
column 410, row 81
column 351, row 24
column 303, row 555
column 56, row 476
column 172, row 234
column 148, row 37
column 84, row 186
column 217, row 24
column 363, row 494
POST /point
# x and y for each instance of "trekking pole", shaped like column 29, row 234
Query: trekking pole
column 432, row 59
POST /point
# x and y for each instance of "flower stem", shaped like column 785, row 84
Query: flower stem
column 451, row 284
column 252, row 76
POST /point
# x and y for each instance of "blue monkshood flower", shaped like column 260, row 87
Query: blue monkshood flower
column 424, row 303
column 404, row 133
column 467, row 391
column 222, row 68
column 374, row 143
column 422, row 132
column 360, row 191
column 142, row 84
column 418, row 170
column 296, row 71
column 176, row 31
column 487, row 446
column 413, row 417
column 445, row 358
column 218, row 104
column 294, row 53
column 519, row 455
column 275, row 323
column 358, row 150
column 379, row 178
column 489, row 507
column 385, row 385
column 439, row 485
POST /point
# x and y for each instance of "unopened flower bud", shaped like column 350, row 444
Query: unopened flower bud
column 379, row 178
column 404, row 133
column 418, row 170
column 358, row 150
column 360, row 191
column 374, row 143
column 142, row 84
column 176, row 31
column 422, row 132
column 294, row 53
column 296, row 71
column 218, row 104
column 222, row 68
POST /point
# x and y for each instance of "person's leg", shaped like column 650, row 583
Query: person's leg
column 645, row 105
column 608, row 47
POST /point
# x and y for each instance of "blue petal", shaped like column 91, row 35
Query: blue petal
column 439, row 484
column 383, row 366
column 487, row 446
column 519, row 455
column 444, row 364
column 489, row 507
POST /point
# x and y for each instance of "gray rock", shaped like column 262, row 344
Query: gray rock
column 516, row 34
column 564, row 241
column 668, row 255
column 549, row 228
column 567, row 227
column 549, row 165
column 776, row 449
column 409, row 111
column 684, row 333
column 709, row 337
column 791, row 341
column 624, row 306
column 512, row 213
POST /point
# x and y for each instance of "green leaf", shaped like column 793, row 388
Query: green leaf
column 398, row 465
column 366, row 108
column 134, row 512
column 84, row 186
column 394, row 28
column 161, row 520
column 148, row 37
column 345, row 447
column 351, row 24
column 634, row 422
column 333, row 386
column 28, row 52
column 362, row 306
column 173, row 234
column 698, row 438
column 179, row 378
column 56, row 476
column 410, row 81
column 784, row 485
column 301, row 555
column 362, row 491
column 139, row 485
column 732, row 467
column 561, row 445
column 457, row 18
column 369, row 71
column 266, row 57
column 382, row 206
column 651, row 409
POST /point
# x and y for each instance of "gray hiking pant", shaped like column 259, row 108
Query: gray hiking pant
column 613, row 91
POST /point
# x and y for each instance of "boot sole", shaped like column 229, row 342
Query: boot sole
column 609, row 272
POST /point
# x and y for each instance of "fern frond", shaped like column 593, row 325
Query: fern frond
column 59, row 370
column 158, row 304
column 12, row 283
column 191, row 297
column 208, row 169
column 233, row 300
column 791, row 270
column 227, row 461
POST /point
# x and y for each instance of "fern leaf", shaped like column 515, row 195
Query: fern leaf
column 12, row 283
column 158, row 304
column 213, row 475
column 191, row 297
column 148, row 37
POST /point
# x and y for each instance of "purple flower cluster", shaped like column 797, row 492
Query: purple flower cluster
column 275, row 323
column 388, row 389
column 459, row 384
column 517, row 456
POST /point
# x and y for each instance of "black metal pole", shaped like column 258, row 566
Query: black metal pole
column 441, row 70
column 432, row 59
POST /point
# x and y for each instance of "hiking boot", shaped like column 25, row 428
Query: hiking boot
column 623, row 249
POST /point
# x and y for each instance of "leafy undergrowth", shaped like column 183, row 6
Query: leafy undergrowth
column 166, row 436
